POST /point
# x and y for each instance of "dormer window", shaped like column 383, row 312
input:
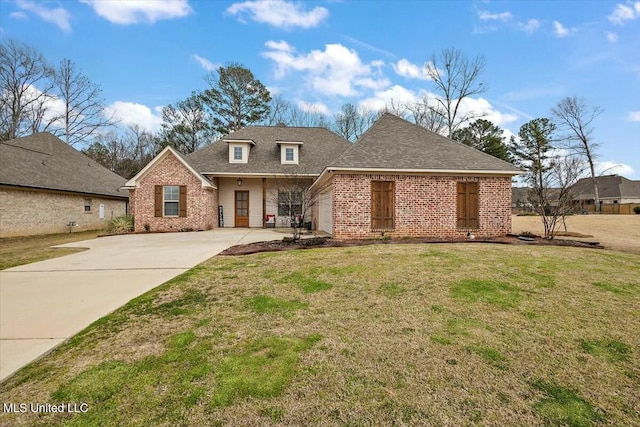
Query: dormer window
column 239, row 150
column 289, row 152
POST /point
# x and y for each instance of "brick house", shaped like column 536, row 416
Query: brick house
column 398, row 179
column 45, row 184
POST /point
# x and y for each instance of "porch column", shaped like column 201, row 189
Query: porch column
column 264, row 202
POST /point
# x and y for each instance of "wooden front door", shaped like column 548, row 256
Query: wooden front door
column 242, row 209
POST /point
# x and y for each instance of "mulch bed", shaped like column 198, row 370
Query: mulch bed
column 327, row 242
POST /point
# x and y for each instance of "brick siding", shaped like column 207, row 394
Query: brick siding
column 30, row 212
column 201, row 203
column 425, row 206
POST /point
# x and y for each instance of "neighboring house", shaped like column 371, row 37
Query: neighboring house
column 617, row 194
column 46, row 185
column 398, row 180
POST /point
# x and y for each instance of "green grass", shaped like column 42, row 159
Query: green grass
column 500, row 294
column 565, row 407
column 608, row 349
column 464, row 334
column 263, row 304
column 16, row 251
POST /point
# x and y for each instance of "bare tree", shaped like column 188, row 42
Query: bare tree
column 549, row 177
column 284, row 113
column 26, row 81
column 456, row 78
column 429, row 115
column 83, row 114
column 574, row 116
column 295, row 198
column 351, row 122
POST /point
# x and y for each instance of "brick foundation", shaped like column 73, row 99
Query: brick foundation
column 425, row 206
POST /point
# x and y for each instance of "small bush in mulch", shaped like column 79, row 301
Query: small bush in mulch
column 326, row 242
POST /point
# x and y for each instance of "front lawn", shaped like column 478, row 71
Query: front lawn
column 16, row 251
column 435, row 334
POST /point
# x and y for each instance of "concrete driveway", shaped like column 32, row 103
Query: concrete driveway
column 44, row 303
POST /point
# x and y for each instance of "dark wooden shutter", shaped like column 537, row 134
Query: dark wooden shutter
column 467, row 205
column 183, row 200
column 158, row 203
column 382, row 205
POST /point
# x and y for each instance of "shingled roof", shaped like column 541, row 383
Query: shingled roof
column 609, row 186
column 395, row 144
column 319, row 147
column 44, row 161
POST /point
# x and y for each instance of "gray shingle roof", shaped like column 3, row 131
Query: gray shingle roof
column 609, row 186
column 393, row 143
column 319, row 147
column 44, row 161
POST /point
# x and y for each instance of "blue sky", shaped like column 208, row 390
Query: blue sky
column 147, row 54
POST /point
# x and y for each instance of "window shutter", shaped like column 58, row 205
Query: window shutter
column 382, row 205
column 467, row 205
column 183, row 200
column 460, row 205
column 158, row 202
column 472, row 205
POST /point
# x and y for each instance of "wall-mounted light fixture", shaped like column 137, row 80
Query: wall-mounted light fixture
column 239, row 182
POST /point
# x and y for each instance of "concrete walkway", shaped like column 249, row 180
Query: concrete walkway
column 44, row 303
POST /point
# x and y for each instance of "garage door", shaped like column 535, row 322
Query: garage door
column 325, row 209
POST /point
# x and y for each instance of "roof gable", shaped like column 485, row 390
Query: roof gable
column 395, row 144
column 46, row 162
column 609, row 186
column 167, row 151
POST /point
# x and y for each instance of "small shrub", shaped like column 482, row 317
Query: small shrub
column 527, row 234
column 120, row 224
column 637, row 210
column 147, row 227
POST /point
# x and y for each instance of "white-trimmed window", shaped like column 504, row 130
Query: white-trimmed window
column 288, row 154
column 171, row 200
column 87, row 205
column 237, row 153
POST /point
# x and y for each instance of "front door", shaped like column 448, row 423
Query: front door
column 242, row 209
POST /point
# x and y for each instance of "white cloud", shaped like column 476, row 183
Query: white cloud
column 281, row 45
column 612, row 37
column 279, row 13
column 397, row 94
column 312, row 107
column 482, row 107
column 136, row 11
column 529, row 27
column 559, row 30
column 610, row 168
column 205, row 63
column 405, row 68
column 58, row 15
column 625, row 12
column 336, row 70
column 634, row 116
column 130, row 113
column 18, row 15
column 487, row 16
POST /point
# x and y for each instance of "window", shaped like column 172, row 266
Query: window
column 288, row 154
column 467, row 205
column 87, row 205
column 170, row 200
column 382, row 205
column 289, row 203
column 237, row 153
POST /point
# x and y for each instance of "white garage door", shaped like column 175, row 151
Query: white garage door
column 325, row 209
